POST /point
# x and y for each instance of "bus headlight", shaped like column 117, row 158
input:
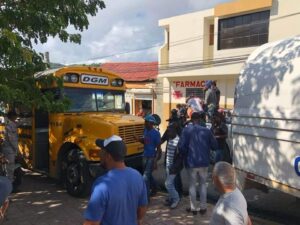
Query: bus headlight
column 71, row 78
column 120, row 82
column 74, row 78
column 117, row 83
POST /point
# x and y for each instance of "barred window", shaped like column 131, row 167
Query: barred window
column 244, row 31
column 198, row 92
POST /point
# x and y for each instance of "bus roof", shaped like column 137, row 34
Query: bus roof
column 45, row 73
column 79, row 69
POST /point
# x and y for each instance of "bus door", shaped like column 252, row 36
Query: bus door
column 41, row 132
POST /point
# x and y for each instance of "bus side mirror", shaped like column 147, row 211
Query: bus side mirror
column 127, row 108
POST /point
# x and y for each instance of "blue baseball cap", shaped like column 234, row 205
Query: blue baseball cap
column 208, row 83
column 150, row 118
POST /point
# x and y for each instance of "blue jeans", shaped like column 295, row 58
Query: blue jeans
column 170, row 186
column 198, row 175
column 148, row 177
column 178, row 184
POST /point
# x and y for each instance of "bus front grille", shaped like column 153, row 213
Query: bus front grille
column 127, row 133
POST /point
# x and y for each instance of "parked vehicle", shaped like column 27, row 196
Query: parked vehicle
column 62, row 144
column 266, row 118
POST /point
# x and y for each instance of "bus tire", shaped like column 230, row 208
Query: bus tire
column 77, row 177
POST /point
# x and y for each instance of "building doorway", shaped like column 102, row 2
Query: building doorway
column 144, row 106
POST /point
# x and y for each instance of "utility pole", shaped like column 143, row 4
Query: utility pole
column 47, row 58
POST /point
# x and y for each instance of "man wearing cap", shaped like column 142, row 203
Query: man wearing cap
column 210, row 100
column 152, row 152
column 120, row 196
column 194, row 145
column 215, row 89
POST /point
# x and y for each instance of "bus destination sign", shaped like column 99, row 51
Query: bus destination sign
column 91, row 79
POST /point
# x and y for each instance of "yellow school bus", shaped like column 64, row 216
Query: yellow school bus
column 63, row 144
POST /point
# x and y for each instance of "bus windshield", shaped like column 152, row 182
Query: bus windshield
column 94, row 100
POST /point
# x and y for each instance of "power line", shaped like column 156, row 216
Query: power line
column 188, row 40
column 190, row 66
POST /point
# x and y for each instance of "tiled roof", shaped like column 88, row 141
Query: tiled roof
column 134, row 71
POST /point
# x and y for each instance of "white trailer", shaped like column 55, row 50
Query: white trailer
column 266, row 118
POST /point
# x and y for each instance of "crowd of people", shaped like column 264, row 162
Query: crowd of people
column 109, row 204
column 121, row 195
column 189, row 144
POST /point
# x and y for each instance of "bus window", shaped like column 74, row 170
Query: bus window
column 109, row 100
column 82, row 100
column 94, row 100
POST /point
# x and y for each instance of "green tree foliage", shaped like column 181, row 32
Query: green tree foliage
column 23, row 22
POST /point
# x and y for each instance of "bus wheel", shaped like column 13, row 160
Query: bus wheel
column 77, row 178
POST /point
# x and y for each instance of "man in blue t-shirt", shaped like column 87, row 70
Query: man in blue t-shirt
column 152, row 152
column 120, row 196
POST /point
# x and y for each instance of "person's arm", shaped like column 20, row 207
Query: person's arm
column 164, row 138
column 157, row 143
column 206, row 97
column 97, row 205
column 221, row 136
column 183, row 142
column 88, row 222
column 141, row 212
column 143, row 202
column 158, row 152
column 213, row 142
column 249, row 221
column 139, row 139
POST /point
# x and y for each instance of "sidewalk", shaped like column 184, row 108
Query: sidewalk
column 41, row 202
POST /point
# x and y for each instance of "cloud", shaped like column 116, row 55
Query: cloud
column 122, row 27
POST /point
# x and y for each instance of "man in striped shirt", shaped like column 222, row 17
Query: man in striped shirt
column 171, row 151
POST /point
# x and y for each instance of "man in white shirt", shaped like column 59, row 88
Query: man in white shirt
column 231, row 208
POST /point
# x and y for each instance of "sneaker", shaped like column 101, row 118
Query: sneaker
column 202, row 211
column 189, row 210
column 174, row 204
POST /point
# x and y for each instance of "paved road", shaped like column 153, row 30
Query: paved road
column 42, row 202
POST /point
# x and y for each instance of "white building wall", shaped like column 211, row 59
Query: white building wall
column 284, row 19
column 189, row 39
column 186, row 35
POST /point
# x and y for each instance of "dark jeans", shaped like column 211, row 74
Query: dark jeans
column 148, row 177
column 178, row 184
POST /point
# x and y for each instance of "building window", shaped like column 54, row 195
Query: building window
column 197, row 92
column 211, row 34
column 244, row 31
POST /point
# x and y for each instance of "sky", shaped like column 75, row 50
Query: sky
column 123, row 26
